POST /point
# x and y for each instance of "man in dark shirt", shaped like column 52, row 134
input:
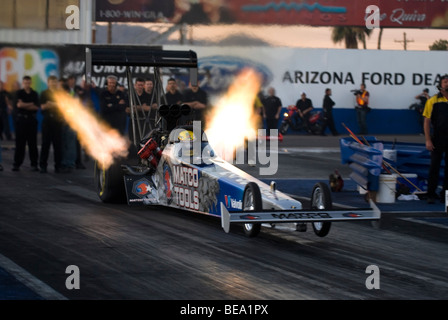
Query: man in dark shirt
column 436, row 138
column 113, row 105
column 153, row 98
column 197, row 99
column 271, row 111
column 304, row 108
column 142, row 107
column 52, row 125
column 26, row 125
column 173, row 95
column 328, row 113
column 5, row 99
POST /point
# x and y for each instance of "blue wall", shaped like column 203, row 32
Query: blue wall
column 403, row 121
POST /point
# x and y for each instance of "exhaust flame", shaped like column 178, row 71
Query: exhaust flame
column 232, row 118
column 100, row 141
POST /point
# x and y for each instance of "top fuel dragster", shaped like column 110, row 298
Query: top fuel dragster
column 174, row 165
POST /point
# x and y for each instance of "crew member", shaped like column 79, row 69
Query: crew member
column 304, row 107
column 436, row 118
column 149, row 89
column 173, row 95
column 26, row 125
column 113, row 105
column 328, row 113
column 197, row 99
column 141, row 110
column 271, row 111
column 52, row 125
column 362, row 108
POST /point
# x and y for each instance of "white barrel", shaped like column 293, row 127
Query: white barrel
column 446, row 201
column 387, row 188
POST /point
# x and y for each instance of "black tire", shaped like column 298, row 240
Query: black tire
column 252, row 202
column 321, row 200
column 109, row 183
column 284, row 128
column 316, row 129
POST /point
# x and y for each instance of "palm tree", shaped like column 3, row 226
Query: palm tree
column 351, row 36
column 439, row 45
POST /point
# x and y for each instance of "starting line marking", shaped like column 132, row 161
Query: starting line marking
column 36, row 285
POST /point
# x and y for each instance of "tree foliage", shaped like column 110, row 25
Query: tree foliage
column 439, row 45
column 350, row 36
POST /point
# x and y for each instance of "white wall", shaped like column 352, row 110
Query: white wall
column 393, row 78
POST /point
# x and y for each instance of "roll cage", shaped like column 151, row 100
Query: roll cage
column 132, row 56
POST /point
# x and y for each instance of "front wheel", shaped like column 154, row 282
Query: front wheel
column 321, row 200
column 252, row 202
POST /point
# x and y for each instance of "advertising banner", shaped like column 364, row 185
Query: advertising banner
column 39, row 62
column 393, row 13
column 393, row 78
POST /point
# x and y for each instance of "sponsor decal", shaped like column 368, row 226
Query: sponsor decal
column 185, row 185
column 233, row 203
column 141, row 188
column 249, row 217
column 223, row 69
column 304, row 215
column 167, row 182
column 352, row 215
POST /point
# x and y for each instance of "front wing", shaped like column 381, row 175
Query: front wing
column 288, row 216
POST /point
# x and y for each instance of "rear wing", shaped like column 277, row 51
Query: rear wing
column 141, row 56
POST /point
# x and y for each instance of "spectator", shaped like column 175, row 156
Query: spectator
column 5, row 110
column 1, row 167
column 304, row 107
column 173, row 96
column 141, row 110
column 52, row 124
column 419, row 107
column 69, row 138
column 113, row 105
column 26, row 125
column 149, row 89
column 328, row 113
column 362, row 108
column 436, row 118
column 197, row 99
column 271, row 111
